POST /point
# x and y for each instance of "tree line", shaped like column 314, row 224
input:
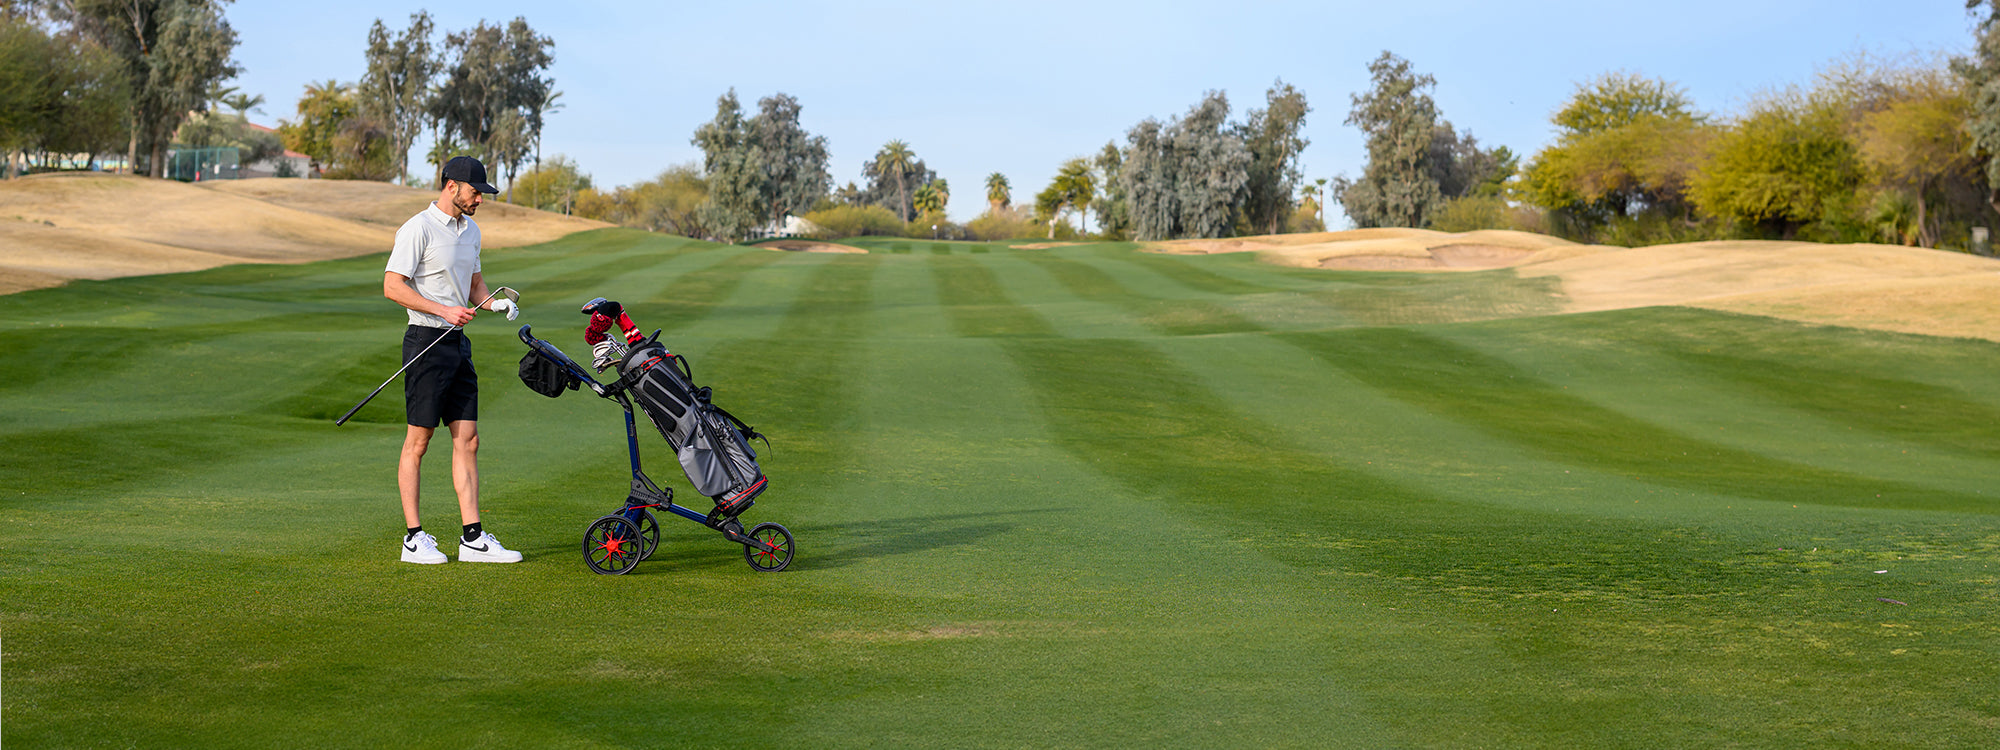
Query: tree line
column 1898, row 150
column 481, row 92
column 100, row 76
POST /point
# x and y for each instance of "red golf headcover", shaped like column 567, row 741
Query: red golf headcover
column 594, row 332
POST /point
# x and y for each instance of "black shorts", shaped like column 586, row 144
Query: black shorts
column 441, row 387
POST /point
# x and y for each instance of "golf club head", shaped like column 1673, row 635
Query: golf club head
column 509, row 293
column 602, row 306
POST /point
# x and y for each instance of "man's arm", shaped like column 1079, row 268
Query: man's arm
column 398, row 289
column 479, row 290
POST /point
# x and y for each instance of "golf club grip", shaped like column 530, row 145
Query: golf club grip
column 392, row 378
column 357, row 407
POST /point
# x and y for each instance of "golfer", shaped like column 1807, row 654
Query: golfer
column 434, row 272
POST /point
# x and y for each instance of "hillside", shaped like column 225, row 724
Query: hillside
column 59, row 227
column 1883, row 287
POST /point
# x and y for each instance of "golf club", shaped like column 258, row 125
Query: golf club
column 508, row 292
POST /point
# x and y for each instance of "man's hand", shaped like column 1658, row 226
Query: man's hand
column 458, row 316
column 506, row 306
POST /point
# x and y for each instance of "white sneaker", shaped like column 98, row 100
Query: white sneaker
column 422, row 549
column 485, row 549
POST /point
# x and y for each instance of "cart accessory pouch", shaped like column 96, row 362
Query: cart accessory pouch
column 542, row 375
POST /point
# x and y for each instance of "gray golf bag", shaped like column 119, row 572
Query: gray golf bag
column 714, row 445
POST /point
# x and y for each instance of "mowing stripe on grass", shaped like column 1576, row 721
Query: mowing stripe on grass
column 972, row 295
column 1171, row 317
column 1780, row 368
column 1397, row 299
column 579, row 282
column 1506, row 401
column 692, row 296
column 1178, row 268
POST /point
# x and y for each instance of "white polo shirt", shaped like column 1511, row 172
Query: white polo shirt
column 439, row 254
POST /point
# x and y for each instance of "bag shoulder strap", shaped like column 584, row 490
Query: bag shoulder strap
column 749, row 433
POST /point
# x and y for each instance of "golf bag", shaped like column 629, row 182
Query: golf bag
column 714, row 445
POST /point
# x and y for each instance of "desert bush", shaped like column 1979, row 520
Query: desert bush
column 1009, row 223
column 856, row 221
column 934, row 225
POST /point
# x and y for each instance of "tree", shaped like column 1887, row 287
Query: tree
column 491, row 71
column 1114, row 220
column 554, row 186
column 760, row 169
column 1187, row 177
column 1073, row 188
column 323, row 111
column 242, row 104
column 1272, row 135
column 895, row 162
column 393, row 91
column 59, row 93
column 731, row 170
column 929, row 200
column 1398, row 187
column 1785, row 164
column 1626, row 145
column 1916, row 140
column 342, row 142
column 998, row 194
column 792, row 160
column 1981, row 72
column 174, row 51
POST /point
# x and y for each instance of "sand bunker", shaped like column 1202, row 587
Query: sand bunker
column 58, row 227
column 810, row 246
column 1884, row 287
column 1384, row 249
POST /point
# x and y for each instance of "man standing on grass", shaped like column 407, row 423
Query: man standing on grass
column 434, row 272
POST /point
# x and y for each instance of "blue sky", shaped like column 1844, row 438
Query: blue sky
column 1018, row 87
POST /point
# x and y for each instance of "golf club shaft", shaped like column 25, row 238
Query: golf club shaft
column 406, row 365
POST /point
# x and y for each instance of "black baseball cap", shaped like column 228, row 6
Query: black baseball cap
column 469, row 171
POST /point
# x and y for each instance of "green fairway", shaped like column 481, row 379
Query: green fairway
column 1074, row 497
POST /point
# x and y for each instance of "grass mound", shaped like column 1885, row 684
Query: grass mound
column 1070, row 496
column 57, row 227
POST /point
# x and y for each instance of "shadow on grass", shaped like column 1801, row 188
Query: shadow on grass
column 869, row 541
column 688, row 547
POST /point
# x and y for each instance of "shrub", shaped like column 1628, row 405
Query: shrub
column 855, row 221
column 1012, row 223
column 933, row 226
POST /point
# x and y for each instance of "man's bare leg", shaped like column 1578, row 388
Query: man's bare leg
column 409, row 471
column 465, row 467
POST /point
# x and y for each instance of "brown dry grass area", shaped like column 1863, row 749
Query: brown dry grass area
column 1882, row 287
column 95, row 226
column 1384, row 249
column 810, row 246
column 1045, row 245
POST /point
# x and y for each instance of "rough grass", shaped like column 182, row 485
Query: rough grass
column 1074, row 496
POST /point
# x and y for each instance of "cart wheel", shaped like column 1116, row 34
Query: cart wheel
column 769, row 549
column 611, row 546
column 649, row 531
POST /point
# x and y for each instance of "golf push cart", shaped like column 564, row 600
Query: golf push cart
column 712, row 445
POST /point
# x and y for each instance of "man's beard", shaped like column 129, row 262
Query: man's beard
column 464, row 207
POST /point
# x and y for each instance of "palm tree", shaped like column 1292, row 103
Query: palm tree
column 1076, row 187
column 895, row 161
column 997, row 195
column 929, row 200
column 1321, row 182
column 243, row 104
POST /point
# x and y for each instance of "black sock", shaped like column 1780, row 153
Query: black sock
column 471, row 532
column 414, row 530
